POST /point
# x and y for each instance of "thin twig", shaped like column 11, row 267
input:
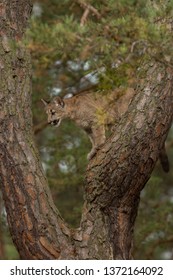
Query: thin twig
column 88, row 8
column 84, row 17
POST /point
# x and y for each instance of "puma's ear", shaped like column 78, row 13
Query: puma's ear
column 45, row 102
column 59, row 102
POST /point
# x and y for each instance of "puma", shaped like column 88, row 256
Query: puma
column 93, row 113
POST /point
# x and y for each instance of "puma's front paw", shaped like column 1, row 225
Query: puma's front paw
column 92, row 154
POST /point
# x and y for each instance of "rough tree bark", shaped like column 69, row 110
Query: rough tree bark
column 114, row 178
column 2, row 247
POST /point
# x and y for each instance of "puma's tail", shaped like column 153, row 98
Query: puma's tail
column 164, row 159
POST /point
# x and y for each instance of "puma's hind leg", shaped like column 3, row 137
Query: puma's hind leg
column 164, row 159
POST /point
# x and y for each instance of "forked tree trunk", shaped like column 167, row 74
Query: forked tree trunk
column 114, row 178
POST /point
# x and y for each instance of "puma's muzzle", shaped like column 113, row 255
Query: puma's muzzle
column 55, row 122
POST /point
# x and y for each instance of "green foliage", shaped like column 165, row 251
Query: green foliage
column 113, row 33
column 11, row 252
column 108, row 32
column 153, row 234
column 63, row 153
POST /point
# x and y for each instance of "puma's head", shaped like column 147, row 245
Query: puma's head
column 55, row 110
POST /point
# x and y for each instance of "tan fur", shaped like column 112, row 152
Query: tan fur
column 91, row 111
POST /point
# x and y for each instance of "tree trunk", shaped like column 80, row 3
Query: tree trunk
column 114, row 178
column 120, row 170
column 2, row 247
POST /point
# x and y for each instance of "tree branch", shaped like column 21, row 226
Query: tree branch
column 84, row 17
column 87, row 8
